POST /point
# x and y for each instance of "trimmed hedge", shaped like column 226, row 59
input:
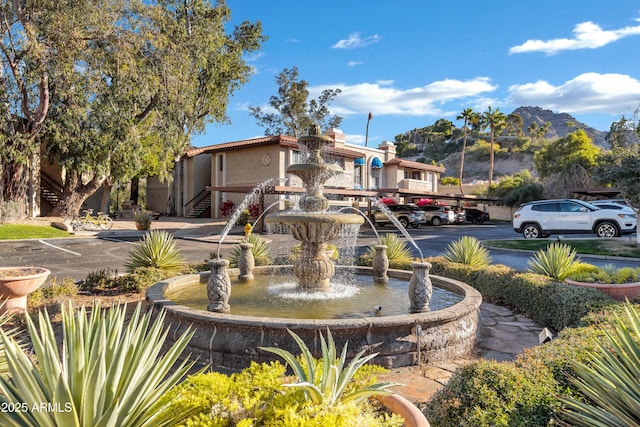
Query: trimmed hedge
column 553, row 304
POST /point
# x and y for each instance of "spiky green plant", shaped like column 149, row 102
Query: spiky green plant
column 398, row 251
column 108, row 373
column 610, row 380
column 156, row 249
column 556, row 261
column 467, row 250
column 328, row 386
column 260, row 251
column 11, row 333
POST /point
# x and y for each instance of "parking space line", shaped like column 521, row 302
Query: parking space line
column 58, row 247
column 111, row 239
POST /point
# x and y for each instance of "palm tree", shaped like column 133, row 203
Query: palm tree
column 496, row 120
column 469, row 116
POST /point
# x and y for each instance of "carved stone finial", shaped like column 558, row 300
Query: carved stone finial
column 315, row 129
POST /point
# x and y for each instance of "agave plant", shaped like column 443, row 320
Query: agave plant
column 556, row 261
column 109, row 373
column 610, row 380
column 398, row 252
column 156, row 249
column 10, row 334
column 467, row 250
column 260, row 251
column 328, row 386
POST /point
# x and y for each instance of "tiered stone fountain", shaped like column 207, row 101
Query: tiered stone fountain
column 233, row 340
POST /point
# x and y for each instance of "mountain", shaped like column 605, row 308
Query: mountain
column 559, row 122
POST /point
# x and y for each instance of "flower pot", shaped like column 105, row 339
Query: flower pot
column 616, row 291
column 397, row 404
column 18, row 282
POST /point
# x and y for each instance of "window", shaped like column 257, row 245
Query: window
column 546, row 207
column 375, row 178
column 357, row 177
column 220, row 163
column 297, row 157
column 415, row 175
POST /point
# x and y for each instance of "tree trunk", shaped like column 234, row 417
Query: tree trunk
column 14, row 181
column 135, row 190
column 464, row 148
column 74, row 194
column 106, row 195
column 491, row 160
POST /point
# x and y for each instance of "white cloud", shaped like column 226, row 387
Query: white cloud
column 354, row 63
column 382, row 98
column 355, row 40
column 587, row 35
column 586, row 93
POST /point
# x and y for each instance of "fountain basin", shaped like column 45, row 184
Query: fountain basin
column 233, row 341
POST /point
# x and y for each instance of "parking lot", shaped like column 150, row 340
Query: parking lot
column 75, row 257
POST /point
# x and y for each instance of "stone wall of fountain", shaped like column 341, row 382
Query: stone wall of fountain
column 233, row 341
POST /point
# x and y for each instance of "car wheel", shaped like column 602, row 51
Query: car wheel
column 415, row 224
column 436, row 220
column 531, row 231
column 404, row 221
column 474, row 221
column 606, row 229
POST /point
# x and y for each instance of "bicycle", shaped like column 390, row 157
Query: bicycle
column 90, row 222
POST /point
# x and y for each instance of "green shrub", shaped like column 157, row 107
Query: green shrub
column 100, row 280
column 109, row 373
column 494, row 394
column 255, row 397
column 610, row 380
column 138, row 281
column 556, row 261
column 53, row 292
column 156, row 249
column 467, row 250
column 260, row 251
column 553, row 304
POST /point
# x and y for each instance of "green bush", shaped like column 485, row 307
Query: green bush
column 255, row 396
column 52, row 292
column 494, row 394
column 556, row 261
column 553, row 304
column 156, row 249
column 467, row 250
column 103, row 281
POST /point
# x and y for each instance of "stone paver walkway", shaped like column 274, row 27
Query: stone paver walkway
column 502, row 335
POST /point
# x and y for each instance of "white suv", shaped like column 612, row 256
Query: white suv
column 544, row 217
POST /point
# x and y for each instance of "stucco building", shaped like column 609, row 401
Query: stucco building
column 207, row 178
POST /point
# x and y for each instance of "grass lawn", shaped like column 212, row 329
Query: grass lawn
column 615, row 247
column 26, row 231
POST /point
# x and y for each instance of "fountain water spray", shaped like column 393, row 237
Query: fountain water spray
column 384, row 209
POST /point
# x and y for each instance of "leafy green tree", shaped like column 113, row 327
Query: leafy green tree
column 623, row 133
column 151, row 76
column 514, row 125
column 575, row 148
column 517, row 189
column 294, row 113
column 496, row 121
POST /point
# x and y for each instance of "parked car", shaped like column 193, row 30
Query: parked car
column 617, row 204
column 543, row 217
column 437, row 214
column 476, row 216
column 459, row 214
column 407, row 215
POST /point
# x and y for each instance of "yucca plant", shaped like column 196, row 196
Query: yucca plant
column 398, row 251
column 467, row 250
column 108, row 374
column 328, row 386
column 556, row 261
column 11, row 333
column 610, row 380
column 156, row 249
column 260, row 251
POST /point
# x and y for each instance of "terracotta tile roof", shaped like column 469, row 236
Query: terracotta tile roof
column 266, row 140
column 237, row 145
column 414, row 165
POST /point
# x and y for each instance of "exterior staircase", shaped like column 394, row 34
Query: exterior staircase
column 199, row 206
column 50, row 189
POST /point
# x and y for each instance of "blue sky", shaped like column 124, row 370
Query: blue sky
column 412, row 62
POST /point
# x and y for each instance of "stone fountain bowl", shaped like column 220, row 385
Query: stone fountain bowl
column 316, row 227
column 234, row 341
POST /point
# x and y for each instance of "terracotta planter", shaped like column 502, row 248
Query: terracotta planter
column 397, row 404
column 15, row 288
column 618, row 292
